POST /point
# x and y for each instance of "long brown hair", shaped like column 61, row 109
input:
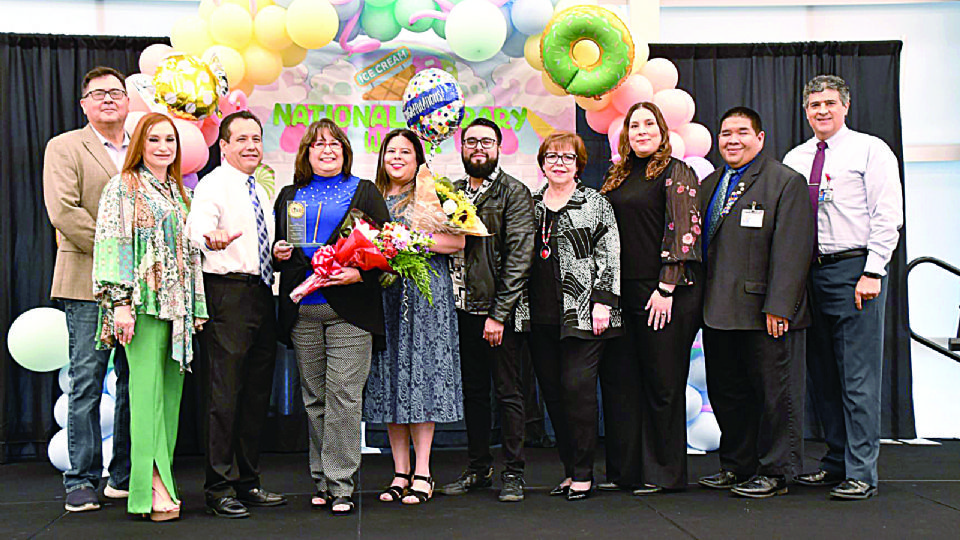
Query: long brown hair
column 382, row 181
column 658, row 161
column 138, row 141
column 303, row 171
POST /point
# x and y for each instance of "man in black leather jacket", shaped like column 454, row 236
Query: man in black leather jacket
column 488, row 276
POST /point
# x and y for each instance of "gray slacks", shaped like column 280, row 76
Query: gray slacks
column 334, row 360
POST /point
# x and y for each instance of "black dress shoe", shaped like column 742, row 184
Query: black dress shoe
column 761, row 487
column 820, row 478
column 647, row 489
column 261, row 497
column 561, row 489
column 578, row 495
column 227, row 507
column 854, row 490
column 609, row 486
column 721, row 480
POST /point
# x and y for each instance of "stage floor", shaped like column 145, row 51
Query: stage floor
column 919, row 498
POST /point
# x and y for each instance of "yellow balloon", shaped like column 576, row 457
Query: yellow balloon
column 551, row 86
column 189, row 87
column 232, row 26
column 641, row 53
column 564, row 4
column 593, row 104
column 263, row 66
column 207, row 7
column 293, row 55
column 230, row 59
column 312, row 24
column 586, row 53
column 244, row 86
column 531, row 51
column 190, row 35
column 270, row 28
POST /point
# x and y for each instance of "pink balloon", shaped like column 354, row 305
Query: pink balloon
column 190, row 180
column 696, row 138
column 676, row 141
column 133, row 118
column 635, row 89
column 210, row 130
column 599, row 121
column 193, row 149
column 613, row 134
column 151, row 57
column 136, row 101
column 235, row 101
column 700, row 165
column 510, row 144
column 673, row 106
column 661, row 73
column 691, row 107
column 290, row 138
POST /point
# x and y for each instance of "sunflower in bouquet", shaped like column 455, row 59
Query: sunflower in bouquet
column 459, row 210
column 438, row 207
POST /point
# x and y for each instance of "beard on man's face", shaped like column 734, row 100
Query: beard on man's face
column 479, row 170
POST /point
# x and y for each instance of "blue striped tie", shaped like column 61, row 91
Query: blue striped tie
column 263, row 238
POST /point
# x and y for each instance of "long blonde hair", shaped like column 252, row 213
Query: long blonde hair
column 658, row 161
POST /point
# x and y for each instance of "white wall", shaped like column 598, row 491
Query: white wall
column 931, row 113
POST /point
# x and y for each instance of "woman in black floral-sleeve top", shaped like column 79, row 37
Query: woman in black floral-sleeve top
column 644, row 372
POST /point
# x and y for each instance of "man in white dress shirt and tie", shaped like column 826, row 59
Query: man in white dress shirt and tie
column 231, row 218
column 855, row 191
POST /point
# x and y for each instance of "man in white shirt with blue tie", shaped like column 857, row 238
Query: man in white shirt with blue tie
column 856, row 194
column 231, row 218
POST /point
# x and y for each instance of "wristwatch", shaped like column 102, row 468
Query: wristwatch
column 873, row 275
column 663, row 292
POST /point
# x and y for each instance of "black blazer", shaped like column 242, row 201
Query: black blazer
column 754, row 271
column 361, row 303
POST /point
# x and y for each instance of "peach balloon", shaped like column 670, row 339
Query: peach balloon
column 696, row 138
column 244, row 86
column 635, row 89
column 151, row 56
column 593, row 104
column 193, row 148
column 679, row 146
column 133, row 118
column 673, row 106
column 551, row 86
column 661, row 73
column 613, row 134
column 210, row 130
column 691, row 107
column 599, row 121
column 262, row 65
column 137, row 102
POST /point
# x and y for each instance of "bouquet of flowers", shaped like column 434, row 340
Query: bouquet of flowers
column 440, row 208
column 407, row 250
column 356, row 247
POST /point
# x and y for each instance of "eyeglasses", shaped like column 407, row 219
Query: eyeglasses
column 567, row 159
column 486, row 143
column 98, row 95
column 334, row 146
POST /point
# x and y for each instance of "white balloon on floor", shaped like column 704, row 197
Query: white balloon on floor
column 61, row 410
column 704, row 432
column 694, row 403
column 57, row 451
column 110, row 386
column 64, row 379
column 107, row 405
column 107, row 450
column 698, row 373
column 38, row 340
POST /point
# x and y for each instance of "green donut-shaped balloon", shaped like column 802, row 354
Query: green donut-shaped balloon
column 596, row 24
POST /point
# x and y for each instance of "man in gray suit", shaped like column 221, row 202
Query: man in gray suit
column 757, row 248
column 76, row 167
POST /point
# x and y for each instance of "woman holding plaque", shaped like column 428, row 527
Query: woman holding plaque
column 654, row 197
column 415, row 382
column 335, row 329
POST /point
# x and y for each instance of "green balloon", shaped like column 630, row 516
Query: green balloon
column 403, row 9
column 440, row 28
column 379, row 23
column 378, row 3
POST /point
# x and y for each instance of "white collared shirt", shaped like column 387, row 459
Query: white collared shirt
column 117, row 155
column 867, row 206
column 222, row 201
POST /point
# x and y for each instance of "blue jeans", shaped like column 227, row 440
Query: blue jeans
column 88, row 366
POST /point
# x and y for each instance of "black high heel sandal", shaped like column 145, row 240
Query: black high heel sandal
column 578, row 495
column 421, row 496
column 341, row 501
column 396, row 493
column 560, row 490
column 320, row 495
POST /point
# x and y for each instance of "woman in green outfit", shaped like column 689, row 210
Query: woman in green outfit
column 149, row 283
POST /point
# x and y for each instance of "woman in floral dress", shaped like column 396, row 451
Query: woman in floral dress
column 149, row 284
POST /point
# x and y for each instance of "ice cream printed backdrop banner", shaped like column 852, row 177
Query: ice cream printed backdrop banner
column 363, row 94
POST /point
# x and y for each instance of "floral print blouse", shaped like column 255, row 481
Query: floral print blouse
column 141, row 252
column 682, row 234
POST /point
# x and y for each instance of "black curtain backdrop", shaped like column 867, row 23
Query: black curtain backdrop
column 41, row 88
column 769, row 77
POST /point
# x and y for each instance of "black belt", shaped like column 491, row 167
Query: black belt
column 235, row 276
column 831, row 258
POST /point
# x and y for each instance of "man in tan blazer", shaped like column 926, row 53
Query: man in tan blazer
column 76, row 167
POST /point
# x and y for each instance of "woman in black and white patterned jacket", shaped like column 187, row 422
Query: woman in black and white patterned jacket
column 571, row 303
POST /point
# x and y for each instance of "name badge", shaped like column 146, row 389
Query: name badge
column 751, row 217
column 826, row 195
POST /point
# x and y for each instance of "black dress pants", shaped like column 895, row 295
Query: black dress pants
column 240, row 340
column 567, row 372
column 644, row 383
column 755, row 383
column 479, row 364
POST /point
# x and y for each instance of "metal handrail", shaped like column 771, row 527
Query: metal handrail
column 928, row 342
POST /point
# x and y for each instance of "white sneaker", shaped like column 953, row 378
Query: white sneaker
column 111, row 492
